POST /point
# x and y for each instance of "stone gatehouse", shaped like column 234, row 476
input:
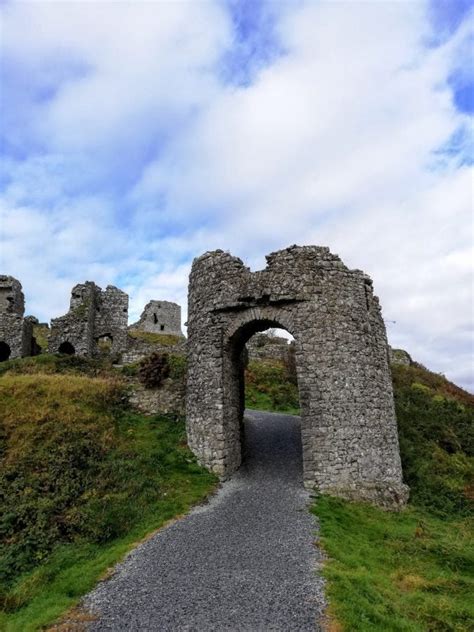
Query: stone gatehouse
column 348, row 425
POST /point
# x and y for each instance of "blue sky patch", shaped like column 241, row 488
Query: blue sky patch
column 255, row 44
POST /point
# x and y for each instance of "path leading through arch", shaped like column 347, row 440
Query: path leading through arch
column 245, row 562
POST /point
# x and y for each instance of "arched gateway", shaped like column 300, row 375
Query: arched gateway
column 348, row 425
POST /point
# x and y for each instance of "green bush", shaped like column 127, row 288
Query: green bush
column 437, row 448
column 154, row 369
column 178, row 367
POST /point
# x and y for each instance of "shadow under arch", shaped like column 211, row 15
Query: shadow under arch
column 5, row 351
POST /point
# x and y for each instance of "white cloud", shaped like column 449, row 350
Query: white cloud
column 148, row 159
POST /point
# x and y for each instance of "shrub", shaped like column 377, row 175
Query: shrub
column 154, row 369
column 50, row 454
column 437, row 448
column 178, row 366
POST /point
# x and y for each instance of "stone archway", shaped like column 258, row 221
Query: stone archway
column 67, row 348
column 349, row 433
column 5, row 351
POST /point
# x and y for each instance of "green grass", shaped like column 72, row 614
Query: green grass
column 409, row 571
column 82, row 479
column 268, row 387
column 55, row 363
column 413, row 570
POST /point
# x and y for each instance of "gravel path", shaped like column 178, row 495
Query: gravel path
column 244, row 562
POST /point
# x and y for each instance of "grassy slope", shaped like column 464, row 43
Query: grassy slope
column 411, row 571
column 414, row 570
column 82, row 479
column 268, row 387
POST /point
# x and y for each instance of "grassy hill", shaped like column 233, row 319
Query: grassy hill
column 82, row 479
column 411, row 571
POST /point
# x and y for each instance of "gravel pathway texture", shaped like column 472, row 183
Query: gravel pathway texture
column 245, row 561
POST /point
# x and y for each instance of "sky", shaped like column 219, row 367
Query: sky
column 137, row 135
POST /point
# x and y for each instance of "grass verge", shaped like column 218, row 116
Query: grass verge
column 410, row 571
column 269, row 387
column 82, row 479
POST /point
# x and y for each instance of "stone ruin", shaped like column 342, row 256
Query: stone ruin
column 268, row 347
column 96, row 323
column 160, row 317
column 348, row 425
column 16, row 332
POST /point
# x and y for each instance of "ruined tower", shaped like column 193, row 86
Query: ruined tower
column 160, row 317
column 95, row 324
column 16, row 332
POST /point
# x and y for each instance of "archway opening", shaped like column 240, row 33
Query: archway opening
column 104, row 343
column 263, row 395
column 67, row 348
column 5, row 351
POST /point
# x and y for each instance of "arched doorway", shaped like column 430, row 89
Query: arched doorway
column 235, row 359
column 67, row 348
column 5, row 351
column 348, row 425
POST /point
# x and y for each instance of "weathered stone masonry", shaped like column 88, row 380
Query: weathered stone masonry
column 16, row 332
column 349, row 433
column 160, row 317
column 95, row 324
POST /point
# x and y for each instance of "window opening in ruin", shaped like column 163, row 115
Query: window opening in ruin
column 5, row 351
column 162, row 327
column 263, row 377
column 104, row 343
column 155, row 319
column 67, row 348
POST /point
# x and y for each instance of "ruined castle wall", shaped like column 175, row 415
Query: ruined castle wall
column 96, row 323
column 160, row 317
column 137, row 349
column 349, row 433
column 264, row 347
column 76, row 327
column 15, row 332
column 111, row 321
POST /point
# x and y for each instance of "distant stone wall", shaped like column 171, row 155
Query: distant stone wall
column 139, row 348
column 16, row 332
column 95, row 325
column 265, row 347
column 160, row 317
column 170, row 397
column 348, row 425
